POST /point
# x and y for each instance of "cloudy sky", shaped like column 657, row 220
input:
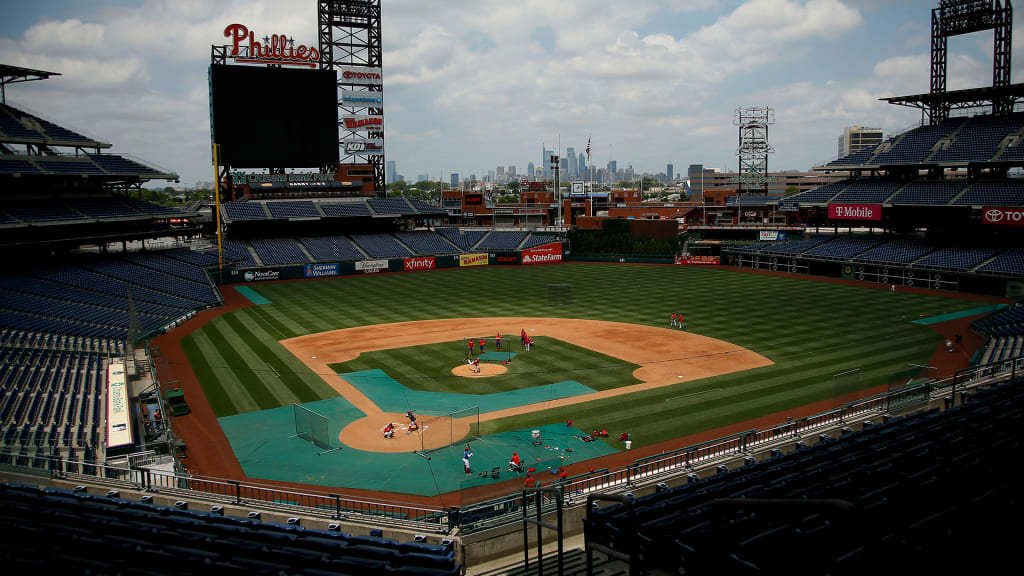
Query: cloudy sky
column 471, row 84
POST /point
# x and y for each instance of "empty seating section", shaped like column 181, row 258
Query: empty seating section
column 59, row 531
column 245, row 211
column 115, row 164
column 380, row 245
column 135, row 277
column 70, row 165
column 42, row 211
column 844, row 247
column 815, row 510
column 755, row 246
column 868, row 191
column 993, row 193
column 238, row 251
column 956, row 258
column 424, row 208
column 390, row 206
column 11, row 127
column 464, row 240
column 160, row 262
column 796, row 246
column 52, row 131
column 5, row 219
column 49, row 397
column 342, row 209
column 498, row 240
column 298, row 209
column 1009, row 262
column 936, row 193
column 858, row 158
column 916, row 145
column 747, row 200
column 538, row 240
column 17, row 166
column 900, row 251
column 1015, row 152
column 979, row 139
column 821, row 194
column 331, row 249
column 426, row 242
column 102, row 207
column 273, row 251
column 151, row 208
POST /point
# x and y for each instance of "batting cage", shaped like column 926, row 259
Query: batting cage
column 495, row 349
column 440, row 432
column 312, row 427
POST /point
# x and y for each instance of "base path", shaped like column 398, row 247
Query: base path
column 666, row 357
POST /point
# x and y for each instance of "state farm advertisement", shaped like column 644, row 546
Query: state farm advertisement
column 855, row 211
column 1002, row 216
column 425, row 263
column 543, row 254
column 699, row 260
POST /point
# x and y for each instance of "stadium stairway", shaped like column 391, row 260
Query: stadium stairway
column 574, row 563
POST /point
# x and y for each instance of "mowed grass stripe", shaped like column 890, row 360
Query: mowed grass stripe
column 229, row 396
column 228, row 346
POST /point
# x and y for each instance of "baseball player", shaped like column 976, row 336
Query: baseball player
column 497, row 342
column 476, row 366
column 522, row 337
column 482, row 344
column 470, row 346
column 673, row 323
column 529, row 342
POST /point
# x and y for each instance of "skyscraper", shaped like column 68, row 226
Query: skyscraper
column 581, row 167
column 545, row 161
column 613, row 171
column 570, row 154
column 511, row 171
column 531, row 170
column 670, row 172
column 856, row 138
column 455, row 180
column 390, row 173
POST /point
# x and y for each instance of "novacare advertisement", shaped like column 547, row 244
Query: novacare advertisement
column 543, row 254
column 473, row 259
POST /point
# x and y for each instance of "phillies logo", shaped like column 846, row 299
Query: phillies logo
column 276, row 49
column 1003, row 216
column 426, row 263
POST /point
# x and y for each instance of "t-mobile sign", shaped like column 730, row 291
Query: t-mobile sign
column 855, row 211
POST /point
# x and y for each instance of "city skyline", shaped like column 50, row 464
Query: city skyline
column 645, row 83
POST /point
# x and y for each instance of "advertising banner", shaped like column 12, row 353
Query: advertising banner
column 1002, row 216
column 375, row 146
column 699, row 260
column 261, row 275
column 473, row 259
column 855, row 211
column 543, row 254
column 506, row 259
column 119, row 430
column 320, row 270
column 425, row 263
column 362, row 123
column 359, row 75
column 768, row 236
column 789, row 206
column 365, row 99
column 371, row 266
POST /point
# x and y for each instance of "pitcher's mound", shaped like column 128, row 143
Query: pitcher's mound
column 485, row 370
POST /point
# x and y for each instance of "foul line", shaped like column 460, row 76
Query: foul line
column 692, row 394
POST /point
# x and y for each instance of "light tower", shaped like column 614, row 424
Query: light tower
column 753, row 147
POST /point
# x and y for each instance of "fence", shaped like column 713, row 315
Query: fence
column 506, row 509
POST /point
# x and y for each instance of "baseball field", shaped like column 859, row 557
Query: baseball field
column 367, row 348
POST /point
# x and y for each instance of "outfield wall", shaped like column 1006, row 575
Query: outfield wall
column 546, row 254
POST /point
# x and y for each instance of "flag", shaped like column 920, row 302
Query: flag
column 588, row 149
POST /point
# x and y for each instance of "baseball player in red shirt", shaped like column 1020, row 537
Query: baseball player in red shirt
column 673, row 320
column 482, row 343
column 470, row 346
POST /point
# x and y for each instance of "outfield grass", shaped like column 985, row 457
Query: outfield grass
column 429, row 367
column 811, row 330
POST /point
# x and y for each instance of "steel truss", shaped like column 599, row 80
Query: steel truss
column 350, row 36
column 753, row 147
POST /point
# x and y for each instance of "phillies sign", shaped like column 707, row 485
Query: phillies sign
column 363, row 123
column 426, row 263
column 543, row 254
column 1002, row 216
column 276, row 49
column 855, row 211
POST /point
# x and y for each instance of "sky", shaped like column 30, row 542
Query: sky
column 473, row 84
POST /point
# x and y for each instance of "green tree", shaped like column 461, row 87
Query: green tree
column 790, row 190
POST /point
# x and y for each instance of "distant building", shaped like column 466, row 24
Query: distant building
column 390, row 172
column 423, row 178
column 570, row 156
column 581, row 167
column 512, row 171
column 531, row 170
column 856, row 138
column 454, row 180
column 670, row 172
